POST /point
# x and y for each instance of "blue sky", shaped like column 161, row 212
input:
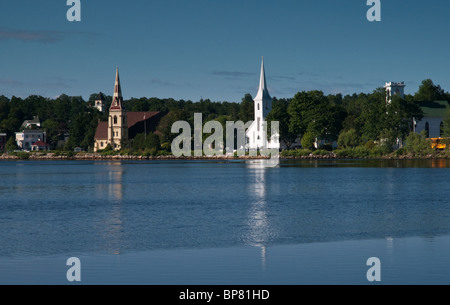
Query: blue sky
column 192, row 49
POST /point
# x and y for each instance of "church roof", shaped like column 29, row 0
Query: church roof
column 102, row 131
column 263, row 93
column 434, row 109
column 135, row 117
column 132, row 119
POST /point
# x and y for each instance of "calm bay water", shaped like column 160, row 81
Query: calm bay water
column 210, row 222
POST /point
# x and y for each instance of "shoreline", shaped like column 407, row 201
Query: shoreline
column 100, row 157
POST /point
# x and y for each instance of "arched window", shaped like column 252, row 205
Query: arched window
column 258, row 106
column 427, row 129
column 115, row 119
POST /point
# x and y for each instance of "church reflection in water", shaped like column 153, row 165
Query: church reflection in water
column 115, row 187
column 259, row 228
column 110, row 222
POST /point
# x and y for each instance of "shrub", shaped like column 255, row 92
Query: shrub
column 400, row 152
column 327, row 147
column 417, row 144
column 22, row 155
column 320, row 152
column 359, row 152
column 370, row 145
column 166, row 146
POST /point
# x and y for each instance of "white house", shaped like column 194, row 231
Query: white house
column 27, row 138
column 256, row 135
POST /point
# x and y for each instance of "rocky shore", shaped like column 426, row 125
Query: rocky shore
column 96, row 156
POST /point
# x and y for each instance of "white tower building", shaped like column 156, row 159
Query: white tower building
column 393, row 88
column 256, row 136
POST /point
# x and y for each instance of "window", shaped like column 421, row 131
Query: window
column 258, row 121
column 115, row 119
column 101, row 144
column 258, row 106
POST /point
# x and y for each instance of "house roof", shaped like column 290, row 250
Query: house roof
column 102, row 131
column 34, row 121
column 434, row 109
column 40, row 143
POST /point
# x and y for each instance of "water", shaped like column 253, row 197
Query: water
column 231, row 222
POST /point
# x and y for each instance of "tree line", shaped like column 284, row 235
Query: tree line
column 351, row 119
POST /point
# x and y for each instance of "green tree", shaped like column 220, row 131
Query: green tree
column 10, row 145
column 165, row 125
column 82, row 130
column 308, row 140
column 399, row 116
column 247, row 109
column 280, row 113
column 348, row 139
column 311, row 111
column 446, row 121
column 51, row 129
column 429, row 92
column 373, row 115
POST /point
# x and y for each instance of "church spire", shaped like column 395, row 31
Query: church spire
column 117, row 102
column 263, row 93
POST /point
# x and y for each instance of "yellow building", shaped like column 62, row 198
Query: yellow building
column 122, row 125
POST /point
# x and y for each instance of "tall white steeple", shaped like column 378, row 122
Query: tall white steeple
column 263, row 105
column 263, row 100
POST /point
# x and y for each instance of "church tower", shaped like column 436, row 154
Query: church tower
column 256, row 138
column 100, row 102
column 117, row 121
column 393, row 88
column 263, row 105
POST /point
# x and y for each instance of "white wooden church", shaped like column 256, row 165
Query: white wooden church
column 256, row 135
